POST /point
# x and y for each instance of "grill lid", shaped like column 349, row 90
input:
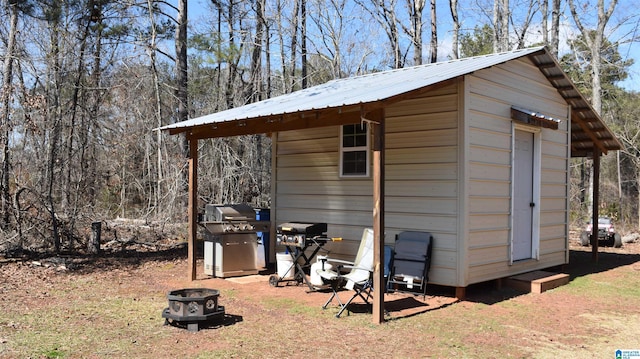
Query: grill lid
column 229, row 212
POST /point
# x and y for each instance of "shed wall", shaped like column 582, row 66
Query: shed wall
column 489, row 96
column 421, row 170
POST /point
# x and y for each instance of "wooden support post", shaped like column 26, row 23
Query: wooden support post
column 378, row 215
column 595, row 204
column 461, row 293
column 192, row 211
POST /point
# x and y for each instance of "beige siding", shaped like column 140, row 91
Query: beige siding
column 421, row 180
column 499, row 269
column 490, row 95
column 440, row 177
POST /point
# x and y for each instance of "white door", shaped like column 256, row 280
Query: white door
column 523, row 195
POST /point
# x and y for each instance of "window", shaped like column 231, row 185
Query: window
column 354, row 151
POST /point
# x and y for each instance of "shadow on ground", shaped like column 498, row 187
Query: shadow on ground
column 227, row 320
column 581, row 262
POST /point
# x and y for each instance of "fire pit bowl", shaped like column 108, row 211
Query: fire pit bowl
column 192, row 306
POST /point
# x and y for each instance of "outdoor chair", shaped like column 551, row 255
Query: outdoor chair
column 411, row 261
column 358, row 278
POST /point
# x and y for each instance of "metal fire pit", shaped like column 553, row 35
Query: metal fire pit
column 193, row 306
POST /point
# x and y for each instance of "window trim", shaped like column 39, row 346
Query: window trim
column 343, row 150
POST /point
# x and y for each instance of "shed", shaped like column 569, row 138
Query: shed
column 476, row 151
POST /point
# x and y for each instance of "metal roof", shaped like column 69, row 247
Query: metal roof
column 346, row 98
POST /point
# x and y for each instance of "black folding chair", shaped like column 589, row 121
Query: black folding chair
column 411, row 262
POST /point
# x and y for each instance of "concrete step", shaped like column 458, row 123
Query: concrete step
column 537, row 281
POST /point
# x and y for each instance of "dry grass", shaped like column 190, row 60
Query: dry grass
column 111, row 308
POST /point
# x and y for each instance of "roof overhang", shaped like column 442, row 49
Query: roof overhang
column 346, row 101
column 588, row 130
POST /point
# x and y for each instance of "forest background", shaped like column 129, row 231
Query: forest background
column 86, row 82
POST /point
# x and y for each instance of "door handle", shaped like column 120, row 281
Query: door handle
column 532, row 204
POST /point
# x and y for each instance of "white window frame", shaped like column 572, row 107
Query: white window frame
column 365, row 148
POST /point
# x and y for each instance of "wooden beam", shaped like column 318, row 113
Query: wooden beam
column 192, row 211
column 597, row 144
column 377, row 124
column 547, row 65
column 285, row 122
column 596, row 199
column 568, row 88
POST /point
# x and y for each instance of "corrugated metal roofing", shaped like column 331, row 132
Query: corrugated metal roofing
column 357, row 90
column 587, row 128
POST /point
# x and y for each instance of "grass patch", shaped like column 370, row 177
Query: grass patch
column 53, row 354
column 621, row 286
column 291, row 306
column 109, row 328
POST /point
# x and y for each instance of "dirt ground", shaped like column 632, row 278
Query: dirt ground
column 110, row 306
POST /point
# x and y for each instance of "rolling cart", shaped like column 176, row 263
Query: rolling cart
column 298, row 238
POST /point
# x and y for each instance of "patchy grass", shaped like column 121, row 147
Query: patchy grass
column 113, row 309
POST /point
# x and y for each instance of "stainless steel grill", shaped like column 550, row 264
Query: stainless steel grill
column 231, row 241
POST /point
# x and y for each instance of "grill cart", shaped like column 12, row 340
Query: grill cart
column 302, row 242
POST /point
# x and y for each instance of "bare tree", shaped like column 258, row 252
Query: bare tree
column 182, row 113
column 416, row 7
column 5, row 124
column 303, row 40
column 555, row 27
column 294, row 45
column 594, row 37
column 384, row 12
column 550, row 36
column 500, row 24
column 341, row 43
column 528, row 9
column 453, row 6
column 255, row 86
column 433, row 51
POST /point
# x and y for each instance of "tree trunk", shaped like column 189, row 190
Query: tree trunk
column 416, row 7
column 594, row 40
column 501, row 25
column 255, row 87
column 504, row 26
column 434, row 33
column 294, row 45
column 54, row 115
column 453, row 6
column 5, row 125
column 158, row 105
column 555, row 27
column 544, row 10
column 181, row 93
column 303, row 41
column 497, row 20
column 181, row 68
